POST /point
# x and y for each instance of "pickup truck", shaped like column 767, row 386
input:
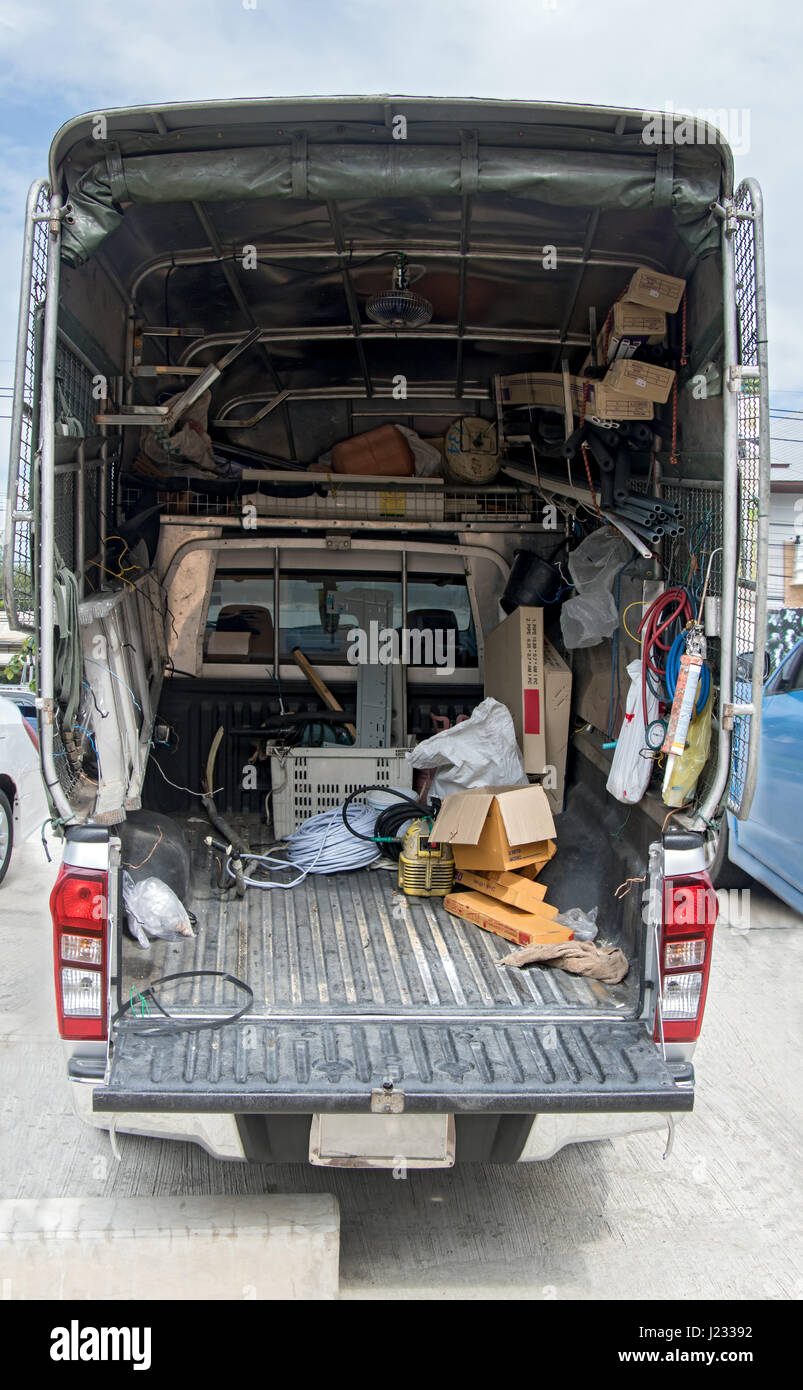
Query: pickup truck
column 264, row 279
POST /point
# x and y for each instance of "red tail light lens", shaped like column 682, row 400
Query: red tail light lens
column 31, row 732
column 689, row 915
column 686, row 938
column 79, row 910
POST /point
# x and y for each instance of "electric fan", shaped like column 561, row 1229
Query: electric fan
column 399, row 307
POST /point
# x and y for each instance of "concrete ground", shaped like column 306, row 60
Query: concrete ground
column 720, row 1219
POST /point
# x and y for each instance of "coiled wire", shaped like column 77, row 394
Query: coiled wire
column 321, row 845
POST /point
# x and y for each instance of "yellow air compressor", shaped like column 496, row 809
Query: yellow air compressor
column 426, row 870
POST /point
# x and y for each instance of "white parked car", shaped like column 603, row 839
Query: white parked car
column 22, row 795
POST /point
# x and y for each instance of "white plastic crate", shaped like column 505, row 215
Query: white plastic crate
column 306, row 781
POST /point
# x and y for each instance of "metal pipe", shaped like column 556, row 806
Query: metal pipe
column 344, row 333
column 47, row 425
column 591, row 231
column 569, row 255
column 80, row 520
column 730, row 529
column 350, row 296
column 18, row 397
column 434, row 391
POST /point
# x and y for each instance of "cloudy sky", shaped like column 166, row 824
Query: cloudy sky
column 59, row 58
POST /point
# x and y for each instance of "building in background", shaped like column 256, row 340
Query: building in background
column 785, row 592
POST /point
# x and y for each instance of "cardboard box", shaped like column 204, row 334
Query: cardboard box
column 629, row 326
column 557, row 715
column 545, row 389
column 519, row 927
column 514, row 674
column 514, row 889
column 592, row 683
column 641, row 380
column 637, row 321
column 656, row 291
column 380, row 452
column 607, row 404
column 495, row 827
column 528, row 870
column 533, row 388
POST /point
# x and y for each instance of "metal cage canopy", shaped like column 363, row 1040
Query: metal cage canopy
column 337, row 149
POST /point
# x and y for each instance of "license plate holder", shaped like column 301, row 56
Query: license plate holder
column 382, row 1141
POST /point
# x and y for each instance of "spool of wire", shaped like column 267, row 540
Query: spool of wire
column 322, row 846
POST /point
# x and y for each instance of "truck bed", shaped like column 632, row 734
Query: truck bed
column 351, row 945
column 357, row 1004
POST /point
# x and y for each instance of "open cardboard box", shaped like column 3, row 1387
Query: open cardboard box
column 495, row 827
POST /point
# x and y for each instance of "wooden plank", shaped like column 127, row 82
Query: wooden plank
column 320, row 687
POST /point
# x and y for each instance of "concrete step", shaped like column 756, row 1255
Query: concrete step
column 269, row 1247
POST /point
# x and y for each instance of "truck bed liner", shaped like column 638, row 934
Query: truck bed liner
column 349, row 944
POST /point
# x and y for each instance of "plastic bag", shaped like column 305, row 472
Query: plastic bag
column 480, row 752
column 154, row 910
column 583, row 924
column 595, row 562
column 592, row 615
column 588, row 618
column 189, row 442
column 427, row 460
column 632, row 761
column 690, row 763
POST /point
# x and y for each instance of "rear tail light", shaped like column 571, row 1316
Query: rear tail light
column 80, row 917
column 31, row 731
column 689, row 915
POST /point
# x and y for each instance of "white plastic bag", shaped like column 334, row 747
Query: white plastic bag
column 596, row 560
column 427, row 460
column 583, row 924
column 154, row 910
column 632, row 761
column 592, row 615
column 480, row 752
column 587, row 618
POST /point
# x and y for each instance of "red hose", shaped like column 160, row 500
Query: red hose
column 655, row 623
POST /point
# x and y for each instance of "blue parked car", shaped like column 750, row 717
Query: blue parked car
column 768, row 845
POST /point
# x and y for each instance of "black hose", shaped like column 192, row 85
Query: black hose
column 390, row 818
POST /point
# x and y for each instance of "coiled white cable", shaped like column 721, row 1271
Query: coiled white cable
column 321, row 845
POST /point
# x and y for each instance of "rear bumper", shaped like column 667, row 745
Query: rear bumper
column 285, row 1138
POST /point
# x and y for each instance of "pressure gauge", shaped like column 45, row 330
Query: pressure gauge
column 655, row 734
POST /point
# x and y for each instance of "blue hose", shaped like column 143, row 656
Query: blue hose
column 673, row 671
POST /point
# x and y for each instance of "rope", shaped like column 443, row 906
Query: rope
column 584, row 448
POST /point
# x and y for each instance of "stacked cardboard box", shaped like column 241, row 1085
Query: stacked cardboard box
column 494, row 832
column 638, row 317
column 545, row 389
column 629, row 327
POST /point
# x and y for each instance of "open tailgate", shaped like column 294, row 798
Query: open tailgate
column 275, row 1065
